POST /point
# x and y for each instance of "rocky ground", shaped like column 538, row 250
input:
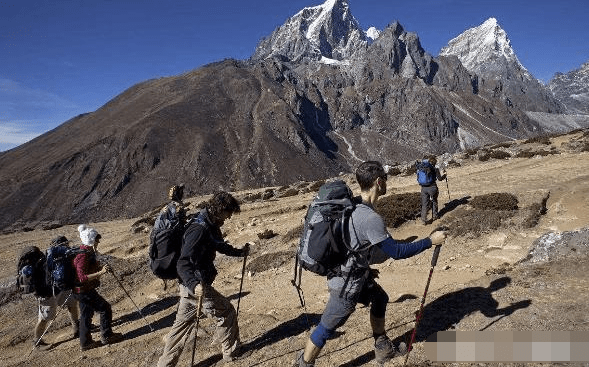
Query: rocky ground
column 535, row 256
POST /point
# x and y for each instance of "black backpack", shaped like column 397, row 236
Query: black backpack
column 426, row 173
column 166, row 242
column 31, row 274
column 61, row 273
column 325, row 242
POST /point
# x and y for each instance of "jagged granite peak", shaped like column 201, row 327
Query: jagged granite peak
column 486, row 51
column 327, row 31
column 400, row 51
column 572, row 89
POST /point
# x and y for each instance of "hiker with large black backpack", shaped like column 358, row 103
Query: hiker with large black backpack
column 32, row 278
column 427, row 174
column 88, row 272
column 165, row 239
column 196, row 273
column 353, row 281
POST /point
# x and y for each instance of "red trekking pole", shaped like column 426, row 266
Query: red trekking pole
column 418, row 318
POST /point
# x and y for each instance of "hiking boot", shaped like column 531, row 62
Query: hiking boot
column 300, row 361
column 111, row 338
column 383, row 349
column 89, row 345
column 41, row 345
column 239, row 353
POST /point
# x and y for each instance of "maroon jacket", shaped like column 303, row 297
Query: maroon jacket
column 85, row 263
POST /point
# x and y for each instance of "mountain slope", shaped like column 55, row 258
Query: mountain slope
column 572, row 89
column 207, row 128
column 486, row 50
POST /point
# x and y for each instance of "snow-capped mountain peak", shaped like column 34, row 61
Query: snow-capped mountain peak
column 477, row 46
column 328, row 30
column 486, row 51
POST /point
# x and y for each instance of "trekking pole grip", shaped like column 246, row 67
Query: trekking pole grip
column 436, row 254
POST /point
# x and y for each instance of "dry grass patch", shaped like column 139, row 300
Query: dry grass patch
column 471, row 223
column 495, row 154
column 272, row 260
column 293, row 234
column 495, row 201
column 490, row 212
column 397, row 209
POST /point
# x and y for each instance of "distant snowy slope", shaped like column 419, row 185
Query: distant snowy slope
column 486, row 51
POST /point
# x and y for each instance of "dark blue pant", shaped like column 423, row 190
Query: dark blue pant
column 91, row 302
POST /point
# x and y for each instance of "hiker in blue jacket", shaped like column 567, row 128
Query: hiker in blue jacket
column 429, row 190
column 355, row 282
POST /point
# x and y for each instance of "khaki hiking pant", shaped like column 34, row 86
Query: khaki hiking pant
column 214, row 305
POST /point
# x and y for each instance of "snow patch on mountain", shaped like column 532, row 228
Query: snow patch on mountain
column 372, row 33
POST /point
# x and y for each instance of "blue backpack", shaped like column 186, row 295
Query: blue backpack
column 60, row 267
column 426, row 173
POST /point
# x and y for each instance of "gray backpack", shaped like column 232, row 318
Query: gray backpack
column 325, row 242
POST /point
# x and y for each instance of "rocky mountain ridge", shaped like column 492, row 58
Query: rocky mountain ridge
column 572, row 89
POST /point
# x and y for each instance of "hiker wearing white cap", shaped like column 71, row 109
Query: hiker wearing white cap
column 88, row 273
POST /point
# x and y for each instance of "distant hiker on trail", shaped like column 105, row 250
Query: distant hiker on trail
column 355, row 281
column 196, row 271
column 88, row 273
column 32, row 265
column 427, row 174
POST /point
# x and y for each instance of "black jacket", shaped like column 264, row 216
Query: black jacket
column 202, row 239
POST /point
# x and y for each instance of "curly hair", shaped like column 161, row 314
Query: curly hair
column 368, row 172
column 222, row 202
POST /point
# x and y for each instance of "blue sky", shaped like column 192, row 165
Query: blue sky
column 61, row 58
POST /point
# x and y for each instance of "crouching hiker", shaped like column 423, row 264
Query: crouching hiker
column 355, row 281
column 196, row 270
column 88, row 273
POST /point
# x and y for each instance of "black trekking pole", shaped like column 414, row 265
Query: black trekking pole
column 128, row 295
column 49, row 325
column 296, row 282
column 448, row 188
column 198, row 307
column 241, row 283
column 420, row 314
